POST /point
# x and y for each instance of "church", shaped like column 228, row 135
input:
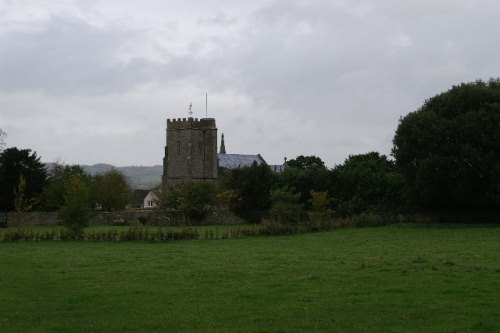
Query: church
column 191, row 152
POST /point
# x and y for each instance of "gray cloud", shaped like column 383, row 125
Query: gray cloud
column 329, row 78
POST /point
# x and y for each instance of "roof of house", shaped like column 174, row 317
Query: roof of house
column 139, row 195
column 235, row 161
column 278, row 168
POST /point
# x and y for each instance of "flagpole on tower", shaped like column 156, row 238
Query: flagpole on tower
column 206, row 105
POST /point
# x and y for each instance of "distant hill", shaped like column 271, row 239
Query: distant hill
column 138, row 177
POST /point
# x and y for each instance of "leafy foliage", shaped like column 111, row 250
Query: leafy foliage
column 252, row 186
column 306, row 163
column 285, row 206
column 13, row 163
column 449, row 149
column 304, row 181
column 112, row 190
column 77, row 203
column 192, row 198
column 367, row 182
column 320, row 207
column 54, row 194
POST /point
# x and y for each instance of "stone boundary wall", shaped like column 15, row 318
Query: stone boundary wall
column 150, row 217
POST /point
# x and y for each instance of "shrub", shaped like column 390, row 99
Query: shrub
column 369, row 220
column 285, row 206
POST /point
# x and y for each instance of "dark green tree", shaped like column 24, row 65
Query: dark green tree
column 305, row 174
column 13, row 163
column 193, row 199
column 306, row 162
column 367, row 182
column 76, row 210
column 54, row 194
column 252, row 186
column 112, row 190
column 286, row 207
column 449, row 149
column 320, row 207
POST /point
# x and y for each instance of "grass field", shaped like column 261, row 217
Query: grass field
column 386, row 279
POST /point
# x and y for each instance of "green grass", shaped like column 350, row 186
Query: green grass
column 387, row 279
column 218, row 230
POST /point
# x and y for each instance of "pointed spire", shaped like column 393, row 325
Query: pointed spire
column 222, row 145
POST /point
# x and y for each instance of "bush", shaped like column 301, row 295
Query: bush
column 320, row 207
column 193, row 199
column 75, row 212
column 285, row 206
column 370, row 220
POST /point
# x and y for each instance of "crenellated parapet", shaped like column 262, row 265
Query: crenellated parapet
column 190, row 123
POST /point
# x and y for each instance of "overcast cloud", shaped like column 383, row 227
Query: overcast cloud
column 94, row 81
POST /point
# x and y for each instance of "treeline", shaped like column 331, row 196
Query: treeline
column 68, row 189
column 445, row 158
column 308, row 189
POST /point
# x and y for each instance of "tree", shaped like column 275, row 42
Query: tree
column 252, row 186
column 306, row 162
column 304, row 181
column 285, row 206
column 320, row 207
column 449, row 149
column 54, row 193
column 192, row 198
column 22, row 204
column 76, row 210
column 13, row 163
column 367, row 182
column 112, row 190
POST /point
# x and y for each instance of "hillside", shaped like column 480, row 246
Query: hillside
column 138, row 177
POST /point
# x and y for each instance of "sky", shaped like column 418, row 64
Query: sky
column 84, row 82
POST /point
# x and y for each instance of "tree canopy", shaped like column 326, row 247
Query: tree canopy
column 252, row 186
column 54, row 194
column 367, row 182
column 449, row 149
column 306, row 163
column 15, row 162
column 112, row 190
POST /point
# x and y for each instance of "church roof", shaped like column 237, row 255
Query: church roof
column 234, row 161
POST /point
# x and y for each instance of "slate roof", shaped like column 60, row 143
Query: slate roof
column 138, row 196
column 235, row 161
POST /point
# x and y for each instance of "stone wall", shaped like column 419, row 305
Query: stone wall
column 150, row 217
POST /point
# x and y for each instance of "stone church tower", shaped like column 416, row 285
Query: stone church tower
column 191, row 151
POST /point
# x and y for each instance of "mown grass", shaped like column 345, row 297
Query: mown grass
column 387, row 279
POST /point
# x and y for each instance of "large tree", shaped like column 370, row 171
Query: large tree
column 55, row 193
column 305, row 174
column 192, row 198
column 252, row 186
column 17, row 164
column 112, row 190
column 367, row 182
column 306, row 163
column 449, row 149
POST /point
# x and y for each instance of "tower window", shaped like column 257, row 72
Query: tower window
column 200, row 148
column 178, row 147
